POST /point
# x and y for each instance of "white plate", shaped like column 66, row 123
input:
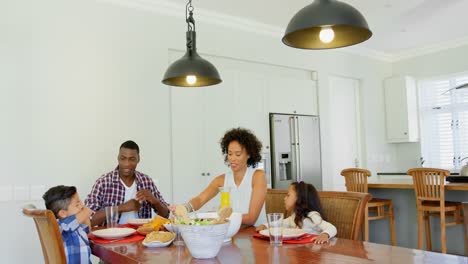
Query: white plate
column 287, row 233
column 156, row 244
column 139, row 222
column 112, row 233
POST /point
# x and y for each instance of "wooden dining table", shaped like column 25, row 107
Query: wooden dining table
column 244, row 248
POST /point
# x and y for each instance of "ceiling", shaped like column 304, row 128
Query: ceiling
column 398, row 26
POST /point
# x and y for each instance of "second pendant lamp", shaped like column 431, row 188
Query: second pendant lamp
column 326, row 24
column 191, row 70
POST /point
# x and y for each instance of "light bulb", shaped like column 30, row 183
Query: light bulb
column 327, row 35
column 191, row 79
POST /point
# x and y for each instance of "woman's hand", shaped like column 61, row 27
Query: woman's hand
column 321, row 239
column 260, row 227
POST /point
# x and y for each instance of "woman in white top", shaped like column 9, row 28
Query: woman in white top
column 304, row 203
column 241, row 149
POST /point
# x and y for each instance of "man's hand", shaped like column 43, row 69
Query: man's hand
column 146, row 195
column 131, row 205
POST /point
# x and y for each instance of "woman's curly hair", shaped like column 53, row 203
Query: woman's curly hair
column 247, row 139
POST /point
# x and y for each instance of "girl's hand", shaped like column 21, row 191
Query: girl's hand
column 321, row 239
column 260, row 227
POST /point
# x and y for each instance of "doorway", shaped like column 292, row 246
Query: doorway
column 345, row 124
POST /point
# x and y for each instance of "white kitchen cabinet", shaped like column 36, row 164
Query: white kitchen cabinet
column 250, row 105
column 401, row 110
column 290, row 96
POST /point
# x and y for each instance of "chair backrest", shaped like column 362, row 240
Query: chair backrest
column 356, row 179
column 49, row 234
column 345, row 210
column 274, row 202
column 429, row 184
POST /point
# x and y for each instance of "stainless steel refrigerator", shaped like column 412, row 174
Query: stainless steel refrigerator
column 295, row 149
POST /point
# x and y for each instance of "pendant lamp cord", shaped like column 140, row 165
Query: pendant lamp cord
column 189, row 16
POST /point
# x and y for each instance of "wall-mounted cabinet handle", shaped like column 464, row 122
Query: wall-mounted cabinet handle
column 203, row 174
column 405, row 133
column 207, row 174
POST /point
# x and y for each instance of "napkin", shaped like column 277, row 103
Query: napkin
column 132, row 238
column 304, row 239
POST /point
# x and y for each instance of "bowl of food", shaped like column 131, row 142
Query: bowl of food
column 203, row 237
column 235, row 221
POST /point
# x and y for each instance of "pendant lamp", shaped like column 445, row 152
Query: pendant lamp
column 191, row 70
column 326, row 24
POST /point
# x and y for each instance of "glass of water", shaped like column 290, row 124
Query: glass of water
column 275, row 228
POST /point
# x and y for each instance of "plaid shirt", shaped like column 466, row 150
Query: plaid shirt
column 75, row 240
column 109, row 190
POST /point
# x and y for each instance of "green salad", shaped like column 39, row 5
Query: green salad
column 196, row 221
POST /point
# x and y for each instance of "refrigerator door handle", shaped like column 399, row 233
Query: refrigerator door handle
column 292, row 137
column 297, row 149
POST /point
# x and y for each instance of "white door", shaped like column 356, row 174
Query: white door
column 187, row 143
column 344, row 127
column 217, row 118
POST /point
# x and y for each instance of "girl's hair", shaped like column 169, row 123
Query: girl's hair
column 307, row 201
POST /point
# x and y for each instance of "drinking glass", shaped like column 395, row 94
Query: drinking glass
column 275, row 228
column 112, row 216
column 225, row 196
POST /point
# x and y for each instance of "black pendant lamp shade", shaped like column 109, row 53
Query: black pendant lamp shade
column 191, row 70
column 309, row 27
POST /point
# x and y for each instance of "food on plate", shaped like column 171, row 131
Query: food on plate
column 159, row 236
column 157, row 224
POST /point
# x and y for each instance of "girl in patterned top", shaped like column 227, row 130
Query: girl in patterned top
column 304, row 203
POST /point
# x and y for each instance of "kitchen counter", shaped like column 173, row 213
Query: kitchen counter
column 399, row 188
column 406, row 182
column 404, row 173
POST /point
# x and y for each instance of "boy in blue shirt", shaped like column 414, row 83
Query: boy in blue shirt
column 73, row 220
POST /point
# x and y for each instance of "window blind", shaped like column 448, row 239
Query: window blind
column 444, row 122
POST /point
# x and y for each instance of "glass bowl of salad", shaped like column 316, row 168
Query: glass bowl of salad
column 203, row 236
column 235, row 221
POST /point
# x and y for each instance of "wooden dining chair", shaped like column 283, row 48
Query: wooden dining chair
column 356, row 181
column 345, row 210
column 430, row 201
column 274, row 202
column 49, row 235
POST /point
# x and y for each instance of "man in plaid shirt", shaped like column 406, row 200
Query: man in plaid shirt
column 133, row 192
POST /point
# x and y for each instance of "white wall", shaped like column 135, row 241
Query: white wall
column 445, row 62
column 80, row 77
